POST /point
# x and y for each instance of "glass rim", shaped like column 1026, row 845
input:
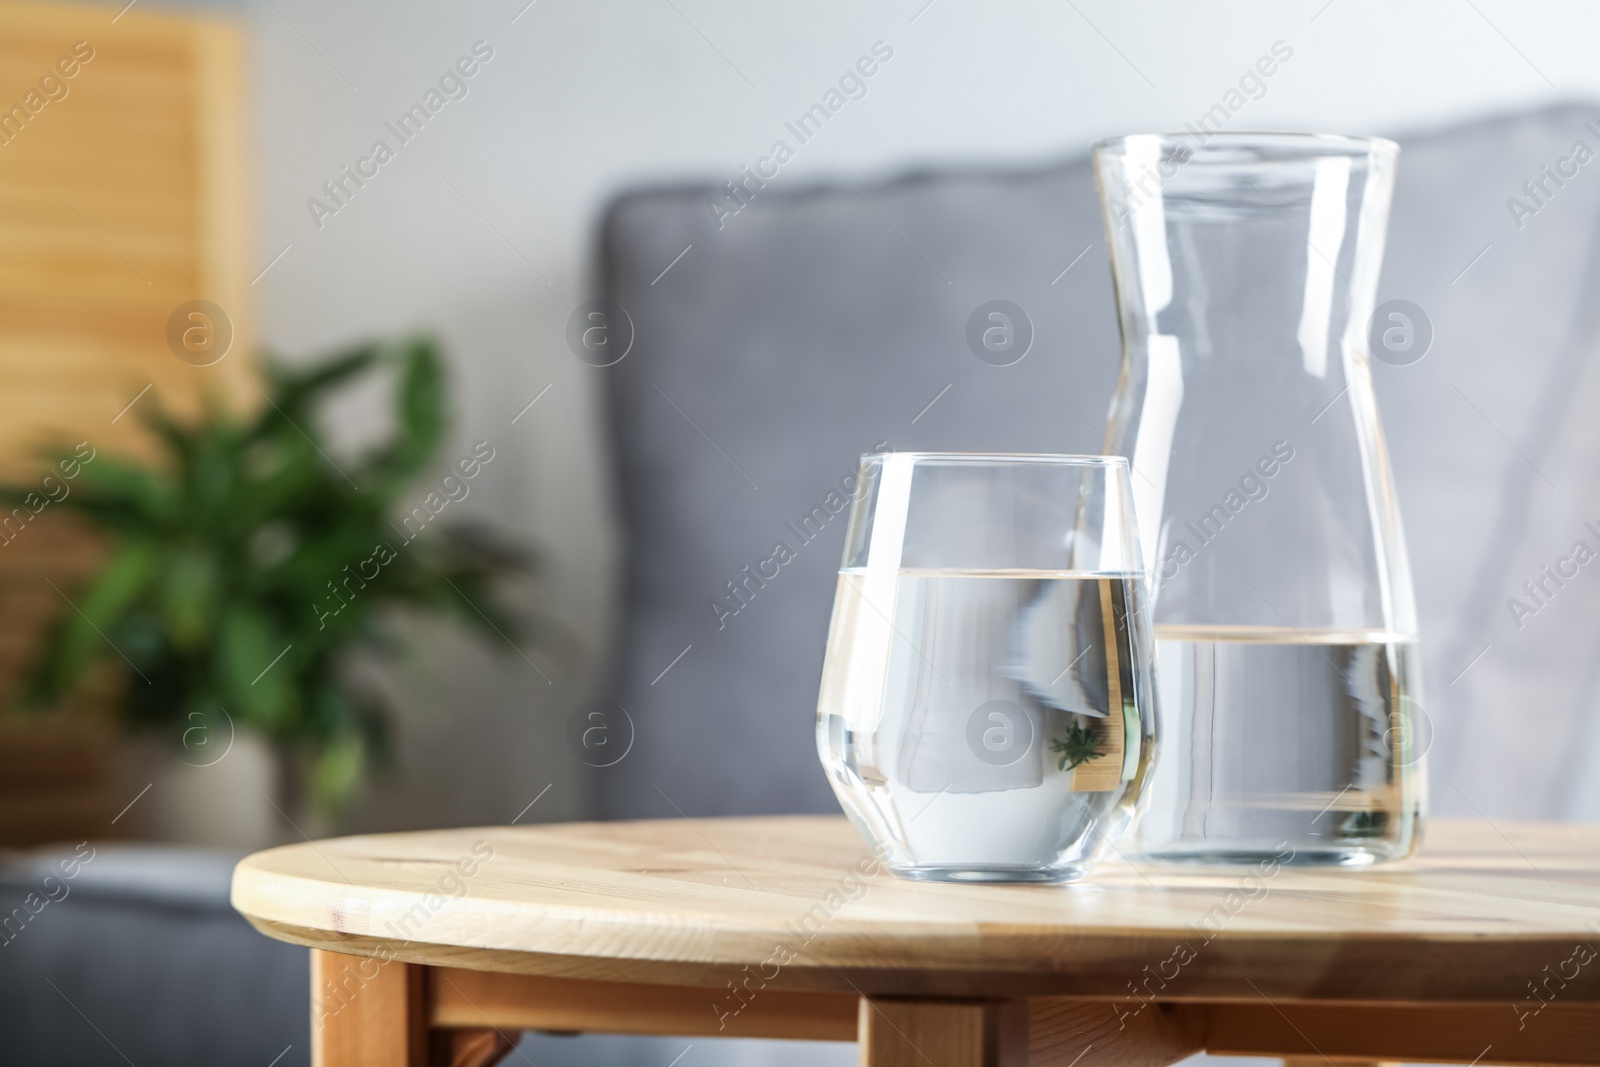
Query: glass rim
column 1217, row 146
column 998, row 459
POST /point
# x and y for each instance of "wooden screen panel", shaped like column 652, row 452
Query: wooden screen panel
column 118, row 203
column 122, row 196
column 58, row 781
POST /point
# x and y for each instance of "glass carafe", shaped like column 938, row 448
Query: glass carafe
column 1245, row 269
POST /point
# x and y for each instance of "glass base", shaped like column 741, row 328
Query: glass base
column 998, row 874
column 1304, row 857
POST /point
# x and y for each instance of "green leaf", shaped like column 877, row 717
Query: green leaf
column 257, row 670
column 125, row 495
column 337, row 772
column 190, row 588
column 1077, row 746
column 293, row 382
column 80, row 635
column 419, row 416
column 179, row 439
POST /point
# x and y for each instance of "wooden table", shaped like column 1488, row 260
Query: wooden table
column 432, row 948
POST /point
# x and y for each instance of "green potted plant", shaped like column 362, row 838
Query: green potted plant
column 245, row 567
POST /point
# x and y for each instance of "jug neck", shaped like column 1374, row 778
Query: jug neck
column 1249, row 254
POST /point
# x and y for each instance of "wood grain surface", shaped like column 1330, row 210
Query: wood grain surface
column 943, row 1033
column 380, row 1019
column 1476, row 916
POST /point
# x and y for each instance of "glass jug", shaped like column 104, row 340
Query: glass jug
column 1245, row 268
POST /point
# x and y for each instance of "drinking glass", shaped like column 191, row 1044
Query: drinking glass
column 987, row 710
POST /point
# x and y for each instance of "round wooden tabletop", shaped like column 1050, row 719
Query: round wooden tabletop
column 681, row 902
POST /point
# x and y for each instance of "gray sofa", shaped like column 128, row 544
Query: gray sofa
column 820, row 320
column 136, row 956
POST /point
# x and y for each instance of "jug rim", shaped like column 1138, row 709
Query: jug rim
column 1065, row 459
column 1233, row 147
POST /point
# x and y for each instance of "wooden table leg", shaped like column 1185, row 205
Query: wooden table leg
column 367, row 1012
column 943, row 1033
column 469, row 1048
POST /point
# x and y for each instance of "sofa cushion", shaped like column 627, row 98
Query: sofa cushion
column 114, row 952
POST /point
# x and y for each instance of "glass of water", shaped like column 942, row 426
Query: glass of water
column 987, row 711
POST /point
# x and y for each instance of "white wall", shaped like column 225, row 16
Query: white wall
column 582, row 98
